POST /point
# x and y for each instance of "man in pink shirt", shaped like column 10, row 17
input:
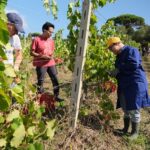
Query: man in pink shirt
column 42, row 50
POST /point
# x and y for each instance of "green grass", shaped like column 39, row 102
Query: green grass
column 141, row 143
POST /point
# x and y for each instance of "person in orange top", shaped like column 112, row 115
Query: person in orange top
column 42, row 50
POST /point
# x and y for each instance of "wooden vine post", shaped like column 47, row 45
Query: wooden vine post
column 79, row 62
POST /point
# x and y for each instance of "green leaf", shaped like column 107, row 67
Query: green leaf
column 16, row 123
column 14, row 126
column 18, row 97
column 3, row 4
column 46, row 4
column 71, row 5
column 31, row 147
column 14, row 114
column 2, row 66
column 2, row 119
column 2, row 53
column 107, row 105
column 93, row 19
column 40, row 111
column 36, row 146
column 31, row 130
column 77, row 4
column 18, row 136
column 4, row 100
column 4, row 35
column 51, row 128
column 54, row 9
column 3, row 142
column 41, row 126
column 84, row 111
column 9, row 71
column 17, row 89
column 102, row 2
column 60, row 104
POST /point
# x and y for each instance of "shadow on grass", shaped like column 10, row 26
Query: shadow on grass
column 91, row 120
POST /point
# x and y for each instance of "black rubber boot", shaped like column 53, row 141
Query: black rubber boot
column 57, row 98
column 126, row 125
column 135, row 131
column 124, row 131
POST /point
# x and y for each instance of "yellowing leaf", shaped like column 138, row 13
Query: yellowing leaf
column 14, row 114
column 46, row 1
column 9, row 71
column 71, row 5
column 18, row 136
column 51, row 128
column 2, row 142
column 31, row 130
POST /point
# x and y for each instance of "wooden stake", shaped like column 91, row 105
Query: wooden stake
column 79, row 62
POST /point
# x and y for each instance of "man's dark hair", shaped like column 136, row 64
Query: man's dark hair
column 46, row 26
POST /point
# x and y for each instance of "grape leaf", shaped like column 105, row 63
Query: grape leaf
column 14, row 114
column 51, row 128
column 2, row 142
column 18, row 136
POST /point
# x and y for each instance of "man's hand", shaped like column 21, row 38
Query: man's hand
column 46, row 57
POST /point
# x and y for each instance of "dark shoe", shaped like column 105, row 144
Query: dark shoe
column 58, row 99
column 40, row 89
column 135, row 131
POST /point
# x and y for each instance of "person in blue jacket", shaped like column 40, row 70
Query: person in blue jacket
column 132, row 84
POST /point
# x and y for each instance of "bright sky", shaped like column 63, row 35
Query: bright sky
column 34, row 14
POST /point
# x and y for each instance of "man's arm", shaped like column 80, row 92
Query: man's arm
column 18, row 59
column 34, row 54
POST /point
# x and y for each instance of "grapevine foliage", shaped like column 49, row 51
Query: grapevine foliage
column 25, row 119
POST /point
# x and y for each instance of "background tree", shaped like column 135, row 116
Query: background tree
column 133, row 26
column 33, row 34
column 130, row 21
column 142, row 34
